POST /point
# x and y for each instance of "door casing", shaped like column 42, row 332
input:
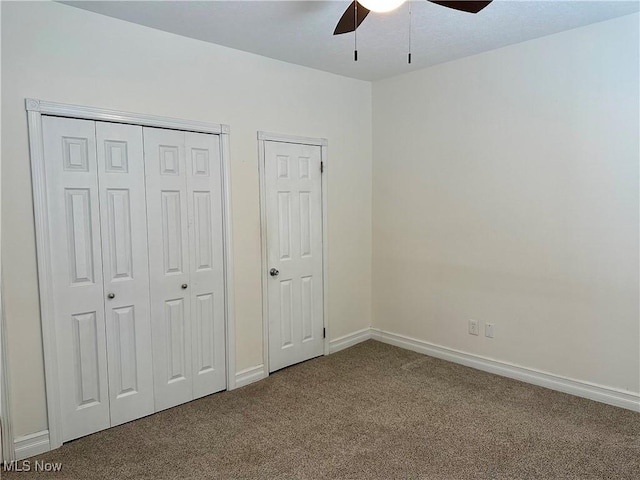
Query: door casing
column 323, row 144
column 35, row 110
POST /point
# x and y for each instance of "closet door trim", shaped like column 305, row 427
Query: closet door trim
column 35, row 110
column 107, row 115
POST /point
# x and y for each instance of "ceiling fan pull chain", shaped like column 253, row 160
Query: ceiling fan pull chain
column 409, row 55
column 355, row 33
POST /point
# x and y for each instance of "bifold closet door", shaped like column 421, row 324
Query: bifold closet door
column 125, row 270
column 168, row 266
column 185, row 250
column 76, row 263
column 98, row 233
column 206, row 268
column 136, row 248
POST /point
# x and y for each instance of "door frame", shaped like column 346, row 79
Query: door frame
column 35, row 110
column 323, row 143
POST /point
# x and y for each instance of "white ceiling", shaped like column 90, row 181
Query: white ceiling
column 301, row 31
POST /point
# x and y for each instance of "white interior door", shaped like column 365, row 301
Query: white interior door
column 184, row 210
column 204, row 193
column 293, row 194
column 74, row 223
column 166, row 186
column 125, row 270
column 136, row 224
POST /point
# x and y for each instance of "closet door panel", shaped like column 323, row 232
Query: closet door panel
column 126, row 270
column 204, row 193
column 170, row 289
column 74, row 223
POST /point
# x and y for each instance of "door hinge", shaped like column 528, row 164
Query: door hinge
column 324, row 333
column 321, row 167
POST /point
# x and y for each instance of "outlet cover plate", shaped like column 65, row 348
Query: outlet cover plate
column 473, row 327
column 488, row 330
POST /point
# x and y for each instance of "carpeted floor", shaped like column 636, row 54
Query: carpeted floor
column 370, row 412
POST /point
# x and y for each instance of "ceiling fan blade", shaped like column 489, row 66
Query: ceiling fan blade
column 348, row 19
column 464, row 6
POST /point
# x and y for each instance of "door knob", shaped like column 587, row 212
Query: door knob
column 274, row 272
column 111, row 296
column 184, row 286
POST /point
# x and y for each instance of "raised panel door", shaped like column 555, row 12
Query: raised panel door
column 125, row 270
column 204, row 193
column 169, row 265
column 76, row 262
column 294, row 250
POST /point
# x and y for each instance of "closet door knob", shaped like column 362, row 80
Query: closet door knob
column 184, row 286
column 274, row 272
column 111, row 296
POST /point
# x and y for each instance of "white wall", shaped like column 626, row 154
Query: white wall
column 59, row 53
column 506, row 190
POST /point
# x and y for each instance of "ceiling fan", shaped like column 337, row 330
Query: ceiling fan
column 355, row 13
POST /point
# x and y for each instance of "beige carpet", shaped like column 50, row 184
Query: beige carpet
column 370, row 412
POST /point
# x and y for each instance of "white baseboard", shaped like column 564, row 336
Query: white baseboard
column 257, row 373
column 32, row 444
column 250, row 375
column 599, row 393
column 349, row 340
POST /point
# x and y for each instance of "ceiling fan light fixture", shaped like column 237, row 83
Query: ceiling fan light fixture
column 381, row 6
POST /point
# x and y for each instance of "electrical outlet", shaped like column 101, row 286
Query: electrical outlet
column 488, row 330
column 473, row 327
